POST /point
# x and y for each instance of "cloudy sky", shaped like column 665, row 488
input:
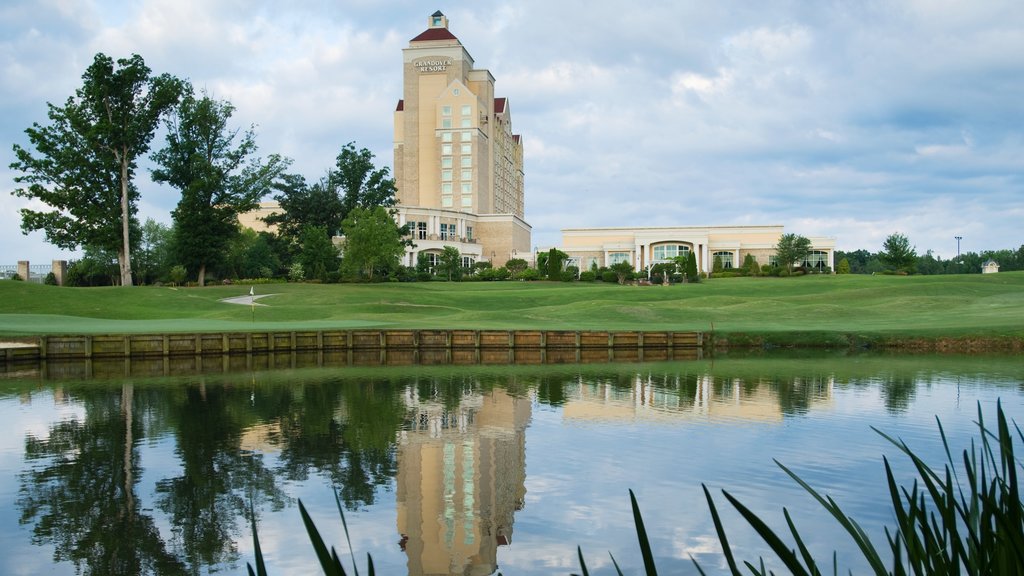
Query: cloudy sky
column 851, row 119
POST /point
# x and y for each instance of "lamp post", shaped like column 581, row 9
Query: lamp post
column 958, row 239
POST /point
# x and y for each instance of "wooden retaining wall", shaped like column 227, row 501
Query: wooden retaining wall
column 100, row 368
column 228, row 343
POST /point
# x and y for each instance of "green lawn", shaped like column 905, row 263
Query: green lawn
column 872, row 306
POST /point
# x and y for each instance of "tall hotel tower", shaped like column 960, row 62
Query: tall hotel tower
column 458, row 165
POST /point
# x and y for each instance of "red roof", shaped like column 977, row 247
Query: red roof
column 435, row 34
column 401, row 106
column 499, row 105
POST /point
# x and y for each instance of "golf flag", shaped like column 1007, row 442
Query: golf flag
column 252, row 290
column 252, row 302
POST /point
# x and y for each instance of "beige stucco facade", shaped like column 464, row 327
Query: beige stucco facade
column 254, row 218
column 643, row 247
column 457, row 161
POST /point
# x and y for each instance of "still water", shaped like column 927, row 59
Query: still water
column 467, row 470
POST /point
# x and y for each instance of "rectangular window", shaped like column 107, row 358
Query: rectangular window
column 616, row 257
column 467, row 175
column 467, row 201
column 446, row 202
column 446, row 123
column 446, row 149
column 469, row 232
column 466, row 123
column 446, row 137
column 446, row 175
column 467, row 109
column 446, row 188
column 446, row 161
column 467, row 261
column 467, row 148
column 446, row 110
column 467, row 136
column 448, row 230
column 467, row 187
column 466, row 161
column 421, row 230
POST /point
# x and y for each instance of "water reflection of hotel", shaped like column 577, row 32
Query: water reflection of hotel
column 461, row 477
column 646, row 397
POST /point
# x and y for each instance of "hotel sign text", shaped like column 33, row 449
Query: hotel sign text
column 433, row 64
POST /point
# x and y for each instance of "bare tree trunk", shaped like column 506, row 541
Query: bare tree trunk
column 127, row 400
column 124, row 257
column 202, row 275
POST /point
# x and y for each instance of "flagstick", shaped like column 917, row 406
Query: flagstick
column 252, row 302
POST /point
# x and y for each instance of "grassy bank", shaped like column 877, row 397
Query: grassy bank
column 836, row 310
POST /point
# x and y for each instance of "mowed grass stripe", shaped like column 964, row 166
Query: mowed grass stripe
column 928, row 306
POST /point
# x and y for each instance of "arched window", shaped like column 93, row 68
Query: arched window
column 816, row 260
column 664, row 252
column 724, row 258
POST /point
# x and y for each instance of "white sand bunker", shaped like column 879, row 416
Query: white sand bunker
column 248, row 299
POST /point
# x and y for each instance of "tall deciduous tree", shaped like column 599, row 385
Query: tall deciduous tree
column 791, row 249
column 449, row 264
column 303, row 204
column 898, row 253
column 152, row 257
column 352, row 183
column 373, row 243
column 318, row 256
column 86, row 157
column 363, row 185
column 218, row 174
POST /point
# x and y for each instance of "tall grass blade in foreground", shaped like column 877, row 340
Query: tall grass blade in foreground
column 261, row 568
column 945, row 525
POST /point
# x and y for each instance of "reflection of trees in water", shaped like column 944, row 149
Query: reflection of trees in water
column 344, row 431
column 80, row 489
column 218, row 479
column 551, row 390
column 898, row 392
column 80, row 492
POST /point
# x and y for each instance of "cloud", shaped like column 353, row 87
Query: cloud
column 851, row 119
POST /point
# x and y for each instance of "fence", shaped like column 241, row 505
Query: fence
column 36, row 272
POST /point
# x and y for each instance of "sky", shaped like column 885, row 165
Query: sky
column 845, row 119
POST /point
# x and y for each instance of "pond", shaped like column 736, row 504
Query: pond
column 469, row 469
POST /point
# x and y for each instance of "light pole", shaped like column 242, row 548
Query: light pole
column 958, row 239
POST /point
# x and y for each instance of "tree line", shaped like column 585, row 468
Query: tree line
column 83, row 170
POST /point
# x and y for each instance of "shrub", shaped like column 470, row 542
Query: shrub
column 178, row 274
column 588, row 276
column 568, row 276
column 529, row 274
column 51, row 279
column 843, row 267
column 609, row 276
column 494, row 274
column 296, row 273
column 16, row 276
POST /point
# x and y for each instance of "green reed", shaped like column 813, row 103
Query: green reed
column 946, row 523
